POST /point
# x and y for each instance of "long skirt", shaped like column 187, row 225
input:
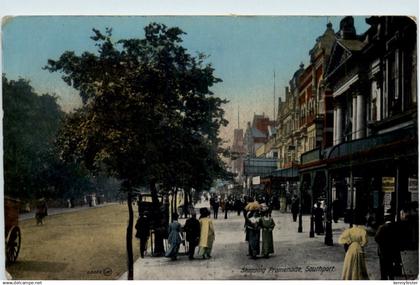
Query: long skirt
column 254, row 242
column 319, row 226
column 267, row 242
column 173, row 251
column 354, row 267
column 204, row 251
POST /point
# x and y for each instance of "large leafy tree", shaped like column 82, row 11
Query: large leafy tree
column 148, row 114
column 32, row 168
column 29, row 128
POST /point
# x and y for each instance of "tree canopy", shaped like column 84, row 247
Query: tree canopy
column 148, row 112
column 31, row 165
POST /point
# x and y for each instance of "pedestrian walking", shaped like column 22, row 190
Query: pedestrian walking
column 355, row 238
column 174, row 238
column 216, row 205
column 41, row 211
column 253, row 231
column 267, row 225
column 336, row 207
column 295, row 208
column 226, row 207
column 192, row 230
column 207, row 234
column 143, row 231
column 238, row 206
column 388, row 249
column 319, row 219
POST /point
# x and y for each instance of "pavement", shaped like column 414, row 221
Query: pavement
column 56, row 211
column 296, row 257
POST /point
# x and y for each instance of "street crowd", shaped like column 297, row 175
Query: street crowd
column 392, row 237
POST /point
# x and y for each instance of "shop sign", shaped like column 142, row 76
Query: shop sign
column 413, row 188
column 387, row 201
column 256, row 180
column 413, row 184
column 388, row 184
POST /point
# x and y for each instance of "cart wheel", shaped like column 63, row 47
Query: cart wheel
column 13, row 245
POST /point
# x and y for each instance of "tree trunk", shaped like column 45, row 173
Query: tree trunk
column 187, row 201
column 172, row 204
column 129, row 237
column 153, row 192
column 158, row 221
column 176, row 200
column 190, row 197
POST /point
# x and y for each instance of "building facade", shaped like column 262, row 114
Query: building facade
column 371, row 168
column 258, row 133
column 373, row 81
column 237, row 156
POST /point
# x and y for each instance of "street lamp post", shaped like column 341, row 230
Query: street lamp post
column 311, row 231
column 300, row 206
column 328, row 224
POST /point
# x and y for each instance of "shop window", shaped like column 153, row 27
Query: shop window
column 394, row 96
column 408, row 73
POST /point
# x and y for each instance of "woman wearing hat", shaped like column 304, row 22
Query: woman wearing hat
column 206, row 234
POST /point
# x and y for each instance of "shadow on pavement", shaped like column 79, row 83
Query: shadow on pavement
column 40, row 266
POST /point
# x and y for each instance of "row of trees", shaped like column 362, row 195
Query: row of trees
column 148, row 116
column 32, row 168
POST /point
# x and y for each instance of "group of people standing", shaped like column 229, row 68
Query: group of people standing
column 258, row 219
column 197, row 233
column 226, row 205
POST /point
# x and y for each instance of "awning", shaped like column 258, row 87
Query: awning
column 291, row 172
column 402, row 143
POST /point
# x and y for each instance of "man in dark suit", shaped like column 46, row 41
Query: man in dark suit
column 192, row 230
column 388, row 249
column 295, row 207
column 143, row 231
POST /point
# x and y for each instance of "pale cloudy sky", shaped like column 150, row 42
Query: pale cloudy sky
column 245, row 52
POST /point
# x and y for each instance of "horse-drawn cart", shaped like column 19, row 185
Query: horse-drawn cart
column 12, row 230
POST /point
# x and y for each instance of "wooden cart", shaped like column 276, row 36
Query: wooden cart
column 12, row 230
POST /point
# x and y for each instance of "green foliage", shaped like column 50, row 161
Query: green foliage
column 29, row 128
column 148, row 113
column 32, row 167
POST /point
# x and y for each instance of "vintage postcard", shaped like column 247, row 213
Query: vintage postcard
column 210, row 147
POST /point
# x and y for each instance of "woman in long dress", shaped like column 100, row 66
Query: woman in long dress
column 174, row 238
column 355, row 238
column 206, row 234
column 267, row 225
column 253, row 230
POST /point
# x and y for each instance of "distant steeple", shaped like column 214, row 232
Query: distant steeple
column 274, row 97
column 329, row 24
column 238, row 116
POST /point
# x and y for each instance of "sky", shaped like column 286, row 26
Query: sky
column 244, row 50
